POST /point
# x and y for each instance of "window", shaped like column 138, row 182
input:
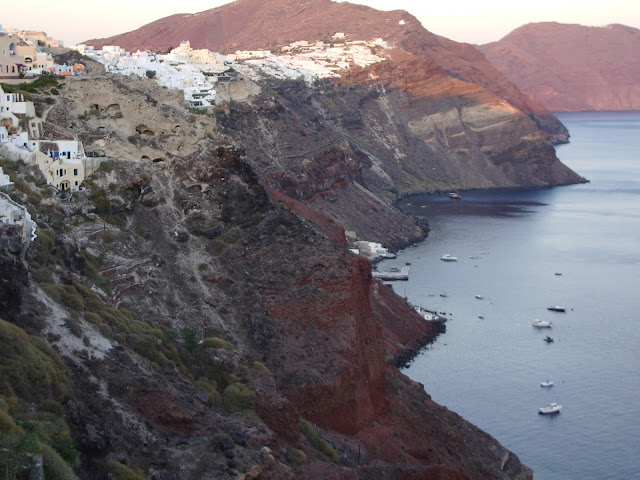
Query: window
column 75, row 173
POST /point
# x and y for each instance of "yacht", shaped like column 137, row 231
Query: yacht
column 552, row 408
column 542, row 324
column 448, row 258
column 556, row 308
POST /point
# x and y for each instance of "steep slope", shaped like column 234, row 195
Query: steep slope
column 257, row 24
column 401, row 126
column 572, row 67
column 210, row 326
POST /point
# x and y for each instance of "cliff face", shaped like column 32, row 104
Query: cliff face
column 254, row 24
column 213, row 328
column 401, row 126
column 572, row 67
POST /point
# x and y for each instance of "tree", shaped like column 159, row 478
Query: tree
column 151, row 73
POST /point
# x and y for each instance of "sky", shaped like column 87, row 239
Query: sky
column 472, row 21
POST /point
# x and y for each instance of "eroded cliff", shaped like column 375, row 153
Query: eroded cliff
column 212, row 327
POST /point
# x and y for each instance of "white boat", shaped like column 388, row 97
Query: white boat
column 547, row 384
column 542, row 324
column 552, row 408
column 455, row 196
column 393, row 274
column 556, row 308
column 479, row 297
column 428, row 315
column 448, row 258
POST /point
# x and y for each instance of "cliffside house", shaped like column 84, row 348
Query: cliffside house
column 11, row 63
column 62, row 162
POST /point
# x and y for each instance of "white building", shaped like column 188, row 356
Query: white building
column 12, row 104
column 62, row 162
column 12, row 213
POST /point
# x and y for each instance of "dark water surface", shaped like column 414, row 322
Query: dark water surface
column 510, row 245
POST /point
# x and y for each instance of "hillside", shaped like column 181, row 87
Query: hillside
column 256, row 24
column 572, row 67
column 182, row 320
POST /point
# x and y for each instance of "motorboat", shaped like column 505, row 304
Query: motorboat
column 479, row 297
column 557, row 308
column 548, row 339
column 552, row 408
column 455, row 196
column 394, row 273
column 558, row 274
column 428, row 315
column 448, row 258
column 542, row 324
column 546, row 384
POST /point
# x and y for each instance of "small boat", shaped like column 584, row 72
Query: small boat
column 479, row 297
column 552, row 408
column 428, row 315
column 546, row 384
column 556, row 308
column 558, row 274
column 542, row 324
column 455, row 196
column 448, row 258
column 548, row 339
column 443, row 295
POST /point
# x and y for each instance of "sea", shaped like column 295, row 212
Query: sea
column 524, row 250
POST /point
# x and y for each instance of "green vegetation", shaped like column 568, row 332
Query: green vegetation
column 42, row 82
column 237, row 398
column 150, row 73
column 296, row 457
column 122, row 472
column 318, row 442
column 31, row 373
column 29, row 368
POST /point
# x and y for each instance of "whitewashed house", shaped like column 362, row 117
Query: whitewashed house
column 12, row 104
column 62, row 162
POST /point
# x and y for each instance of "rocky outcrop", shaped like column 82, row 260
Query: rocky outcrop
column 290, row 333
column 572, row 67
column 401, row 126
column 254, row 25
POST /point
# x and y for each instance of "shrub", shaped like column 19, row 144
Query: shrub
column 55, row 466
column 6, row 423
column 237, row 398
column 42, row 275
column 191, row 339
column 93, row 318
column 215, row 342
column 318, row 442
column 122, row 472
column 70, row 298
column 296, row 457
column 210, row 388
column 28, row 366
column 100, row 200
column 105, row 166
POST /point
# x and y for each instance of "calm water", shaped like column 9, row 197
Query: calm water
column 489, row 369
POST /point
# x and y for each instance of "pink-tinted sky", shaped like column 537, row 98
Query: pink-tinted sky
column 472, row 21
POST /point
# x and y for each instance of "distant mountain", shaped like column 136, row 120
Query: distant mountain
column 572, row 67
column 260, row 24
